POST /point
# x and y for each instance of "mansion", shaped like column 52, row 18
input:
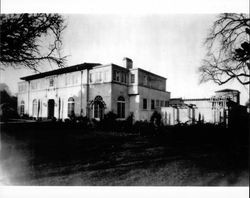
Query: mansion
column 92, row 90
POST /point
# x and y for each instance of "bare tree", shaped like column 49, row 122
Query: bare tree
column 228, row 50
column 30, row 39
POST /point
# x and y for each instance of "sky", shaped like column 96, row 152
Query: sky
column 170, row 45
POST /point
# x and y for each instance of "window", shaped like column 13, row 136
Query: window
column 121, row 107
column 90, row 77
column 33, row 85
column 105, row 77
column 98, row 77
column 51, row 82
column 75, row 79
column 117, row 76
column 42, row 84
column 98, row 111
column 22, row 87
column 166, row 103
column 162, row 103
column 22, row 108
column 114, row 75
column 71, row 79
column 145, row 80
column 132, row 78
column 157, row 103
column 66, row 80
column 145, row 103
column 71, row 107
column 122, row 77
column 213, row 105
column 152, row 104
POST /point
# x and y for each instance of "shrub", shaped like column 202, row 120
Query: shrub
column 156, row 118
column 156, row 121
column 72, row 116
column 67, row 120
column 7, row 112
column 144, row 128
column 129, row 123
column 109, row 121
column 84, row 122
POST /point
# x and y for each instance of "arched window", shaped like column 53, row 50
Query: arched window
column 22, row 108
column 71, row 106
column 98, row 107
column 34, row 108
column 121, row 107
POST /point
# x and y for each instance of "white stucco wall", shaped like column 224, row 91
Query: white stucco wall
column 134, row 106
column 150, row 94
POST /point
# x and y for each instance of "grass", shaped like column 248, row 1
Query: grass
column 48, row 156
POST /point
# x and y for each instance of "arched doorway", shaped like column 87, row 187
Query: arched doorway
column 98, row 107
column 51, row 108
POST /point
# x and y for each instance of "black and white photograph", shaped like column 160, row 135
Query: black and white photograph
column 109, row 99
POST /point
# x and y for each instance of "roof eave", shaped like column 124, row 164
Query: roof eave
column 73, row 68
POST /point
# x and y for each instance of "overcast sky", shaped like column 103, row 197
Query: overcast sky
column 169, row 45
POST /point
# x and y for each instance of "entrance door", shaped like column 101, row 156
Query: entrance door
column 51, row 107
column 98, row 106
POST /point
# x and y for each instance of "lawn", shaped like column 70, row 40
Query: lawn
column 73, row 156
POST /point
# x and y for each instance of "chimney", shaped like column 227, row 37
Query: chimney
column 128, row 63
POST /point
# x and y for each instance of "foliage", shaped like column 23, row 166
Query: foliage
column 144, row 128
column 248, row 103
column 8, row 106
column 129, row 122
column 109, row 121
column 228, row 50
column 110, row 116
column 156, row 119
column 30, row 39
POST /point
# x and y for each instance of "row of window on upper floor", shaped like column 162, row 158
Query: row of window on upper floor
column 98, row 76
column 48, row 83
column 123, row 77
column 68, row 80
column 94, row 77
column 154, row 103
column 120, row 76
column 22, row 87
